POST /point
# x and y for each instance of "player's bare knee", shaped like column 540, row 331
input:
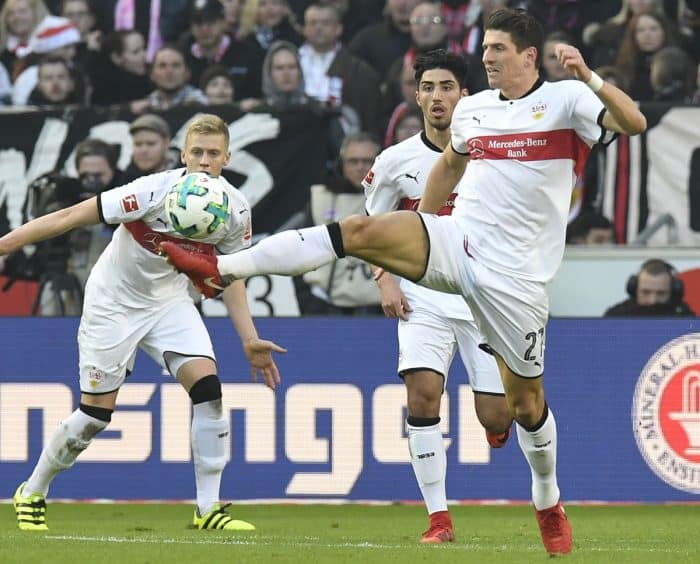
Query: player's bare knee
column 424, row 391
column 356, row 232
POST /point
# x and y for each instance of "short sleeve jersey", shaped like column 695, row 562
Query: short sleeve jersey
column 131, row 269
column 514, row 197
column 396, row 181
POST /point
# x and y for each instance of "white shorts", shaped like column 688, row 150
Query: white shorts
column 511, row 313
column 428, row 340
column 110, row 334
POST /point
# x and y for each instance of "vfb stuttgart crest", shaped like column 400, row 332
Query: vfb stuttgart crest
column 666, row 413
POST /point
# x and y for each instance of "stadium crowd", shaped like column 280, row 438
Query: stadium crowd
column 348, row 60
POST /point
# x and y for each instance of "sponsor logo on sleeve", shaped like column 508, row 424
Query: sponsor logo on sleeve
column 369, row 178
column 130, row 203
column 666, row 413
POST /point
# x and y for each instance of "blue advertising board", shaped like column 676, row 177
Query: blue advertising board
column 625, row 393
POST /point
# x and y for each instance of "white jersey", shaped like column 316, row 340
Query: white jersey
column 130, row 269
column 514, row 197
column 396, row 181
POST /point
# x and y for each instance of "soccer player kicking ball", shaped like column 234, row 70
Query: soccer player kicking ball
column 514, row 151
column 432, row 325
column 134, row 298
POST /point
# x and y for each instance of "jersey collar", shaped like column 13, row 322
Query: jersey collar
column 428, row 143
column 538, row 83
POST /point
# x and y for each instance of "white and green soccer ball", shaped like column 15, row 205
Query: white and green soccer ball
column 198, row 205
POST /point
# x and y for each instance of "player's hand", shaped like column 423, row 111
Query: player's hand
column 394, row 302
column 572, row 60
column 259, row 355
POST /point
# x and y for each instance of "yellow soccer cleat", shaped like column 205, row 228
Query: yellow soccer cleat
column 30, row 510
column 218, row 519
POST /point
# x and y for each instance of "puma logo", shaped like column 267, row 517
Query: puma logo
column 412, row 177
column 162, row 221
column 300, row 235
column 476, row 119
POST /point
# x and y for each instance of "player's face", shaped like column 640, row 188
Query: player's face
column 653, row 288
column 149, row 150
column 205, row 152
column 506, row 68
column 437, row 95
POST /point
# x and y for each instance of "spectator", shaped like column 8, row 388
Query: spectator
column 429, row 32
column 232, row 16
column 672, row 75
column 400, row 97
column 645, row 35
column 332, row 74
column 55, row 85
column 342, row 287
column 604, row 40
column 407, row 125
column 356, row 15
column 5, row 86
column 265, row 21
column 150, row 135
column 170, row 75
column 553, row 69
column 283, row 81
column 217, row 85
column 120, row 73
column 656, row 291
column 82, row 14
column 207, row 43
column 474, row 24
column 382, row 43
column 54, row 36
column 590, row 228
column 18, row 20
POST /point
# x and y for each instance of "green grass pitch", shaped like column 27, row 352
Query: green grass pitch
column 150, row 533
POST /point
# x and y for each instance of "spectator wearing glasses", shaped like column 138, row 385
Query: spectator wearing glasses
column 342, row 287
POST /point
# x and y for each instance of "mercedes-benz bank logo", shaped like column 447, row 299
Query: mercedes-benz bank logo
column 666, row 413
column 151, row 240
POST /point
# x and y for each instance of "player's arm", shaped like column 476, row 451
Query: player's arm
column 622, row 115
column 258, row 351
column 443, row 178
column 51, row 225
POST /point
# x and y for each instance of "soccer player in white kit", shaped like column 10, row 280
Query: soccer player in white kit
column 432, row 325
column 134, row 298
column 515, row 151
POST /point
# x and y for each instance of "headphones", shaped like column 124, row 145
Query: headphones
column 656, row 265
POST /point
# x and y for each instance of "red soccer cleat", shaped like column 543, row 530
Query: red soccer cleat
column 200, row 268
column 555, row 529
column 440, row 529
column 498, row 441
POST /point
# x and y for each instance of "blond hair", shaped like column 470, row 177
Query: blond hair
column 39, row 12
column 208, row 124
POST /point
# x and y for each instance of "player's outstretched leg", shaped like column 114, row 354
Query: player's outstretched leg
column 30, row 509
column 539, row 445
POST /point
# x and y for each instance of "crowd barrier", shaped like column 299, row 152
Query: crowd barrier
column 626, row 395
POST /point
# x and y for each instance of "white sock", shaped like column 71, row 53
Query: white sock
column 210, row 449
column 540, row 449
column 288, row 253
column 71, row 437
column 429, row 462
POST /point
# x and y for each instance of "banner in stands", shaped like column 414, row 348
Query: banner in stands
column 626, row 394
column 654, row 174
column 275, row 156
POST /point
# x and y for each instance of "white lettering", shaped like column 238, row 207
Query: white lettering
column 302, row 445
column 258, row 403
column 55, row 402
column 175, row 418
column 472, row 445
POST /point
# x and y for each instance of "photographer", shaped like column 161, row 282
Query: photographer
column 61, row 265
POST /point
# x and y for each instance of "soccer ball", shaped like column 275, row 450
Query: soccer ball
column 198, row 206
